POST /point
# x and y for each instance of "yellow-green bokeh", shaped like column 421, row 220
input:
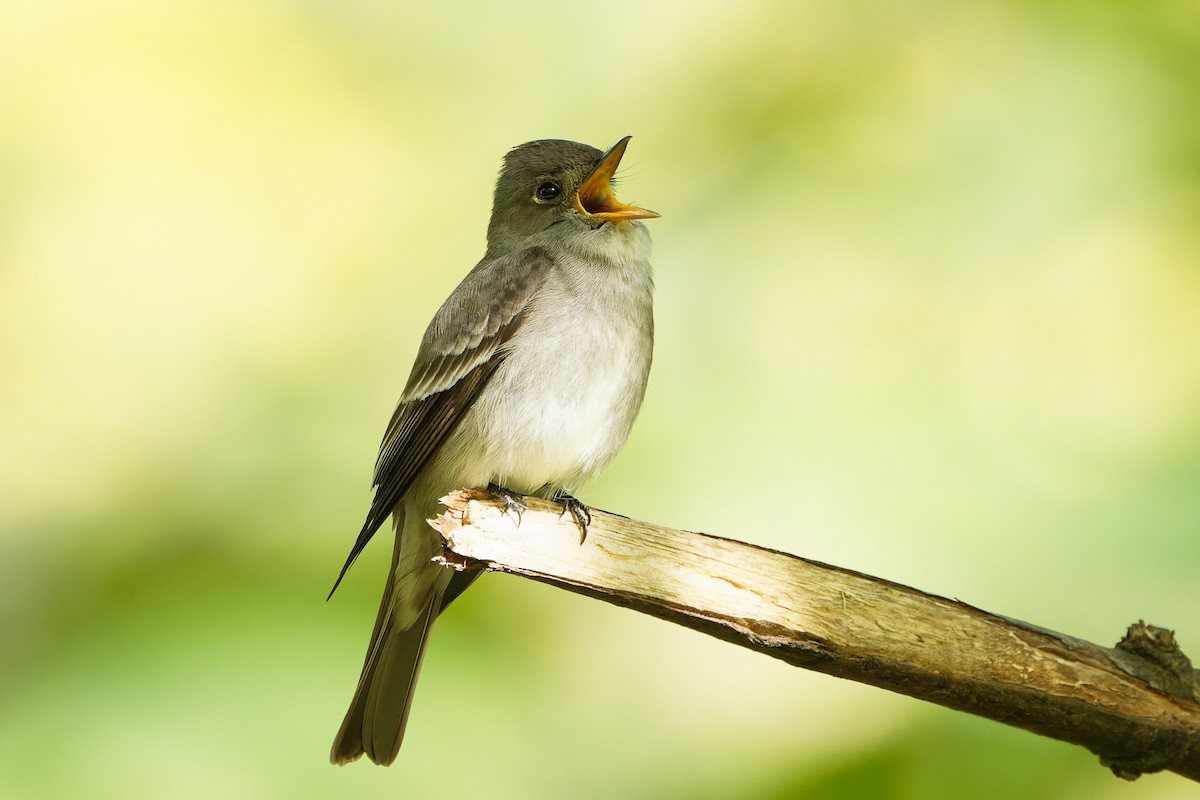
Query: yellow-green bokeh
column 929, row 307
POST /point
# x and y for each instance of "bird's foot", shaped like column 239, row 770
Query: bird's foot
column 581, row 513
column 513, row 503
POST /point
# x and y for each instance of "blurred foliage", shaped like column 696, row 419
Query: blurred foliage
column 928, row 278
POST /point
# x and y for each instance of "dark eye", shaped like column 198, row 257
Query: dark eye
column 548, row 191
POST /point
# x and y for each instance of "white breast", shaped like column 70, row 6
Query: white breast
column 562, row 404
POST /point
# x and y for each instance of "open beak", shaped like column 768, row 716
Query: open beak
column 595, row 198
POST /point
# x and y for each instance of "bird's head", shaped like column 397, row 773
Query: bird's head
column 554, row 181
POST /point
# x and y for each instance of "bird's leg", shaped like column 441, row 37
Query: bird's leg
column 581, row 513
column 513, row 502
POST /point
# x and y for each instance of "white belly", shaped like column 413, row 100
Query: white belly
column 561, row 405
column 560, row 421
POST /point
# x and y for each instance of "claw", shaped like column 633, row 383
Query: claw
column 513, row 502
column 581, row 513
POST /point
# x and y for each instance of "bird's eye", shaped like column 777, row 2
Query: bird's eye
column 548, row 191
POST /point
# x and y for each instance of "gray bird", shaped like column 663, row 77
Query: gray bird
column 528, row 379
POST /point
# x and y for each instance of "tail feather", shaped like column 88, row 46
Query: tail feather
column 375, row 722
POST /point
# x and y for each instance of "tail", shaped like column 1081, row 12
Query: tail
column 375, row 722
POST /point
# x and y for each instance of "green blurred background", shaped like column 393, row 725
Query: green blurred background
column 929, row 307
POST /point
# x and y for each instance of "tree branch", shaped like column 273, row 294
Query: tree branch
column 1135, row 706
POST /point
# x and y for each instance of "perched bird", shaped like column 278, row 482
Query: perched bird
column 527, row 380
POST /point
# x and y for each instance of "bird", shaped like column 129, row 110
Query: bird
column 527, row 381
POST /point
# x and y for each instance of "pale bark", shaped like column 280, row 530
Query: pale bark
column 1135, row 705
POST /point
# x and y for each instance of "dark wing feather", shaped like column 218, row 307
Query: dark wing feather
column 459, row 352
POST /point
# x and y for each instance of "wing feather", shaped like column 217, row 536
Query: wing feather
column 460, row 351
